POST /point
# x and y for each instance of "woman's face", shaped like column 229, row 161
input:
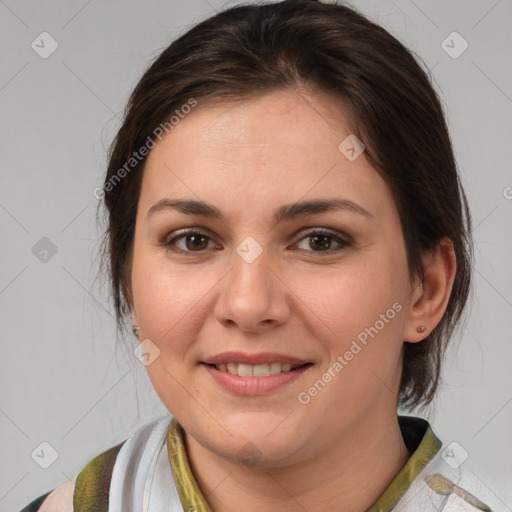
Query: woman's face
column 247, row 282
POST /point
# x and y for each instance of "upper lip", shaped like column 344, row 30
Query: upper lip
column 262, row 358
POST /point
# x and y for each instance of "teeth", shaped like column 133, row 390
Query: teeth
column 275, row 368
column 260, row 370
column 245, row 370
column 257, row 370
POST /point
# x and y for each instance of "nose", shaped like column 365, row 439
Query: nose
column 253, row 296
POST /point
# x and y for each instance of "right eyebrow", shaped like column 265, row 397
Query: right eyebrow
column 284, row 213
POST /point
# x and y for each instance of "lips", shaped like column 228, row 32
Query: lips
column 245, row 385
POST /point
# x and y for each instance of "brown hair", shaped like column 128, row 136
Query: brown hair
column 251, row 49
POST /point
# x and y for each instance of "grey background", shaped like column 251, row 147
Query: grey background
column 61, row 379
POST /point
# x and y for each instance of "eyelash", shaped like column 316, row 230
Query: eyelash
column 315, row 232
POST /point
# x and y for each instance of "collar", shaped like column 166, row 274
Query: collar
column 423, row 444
column 417, row 434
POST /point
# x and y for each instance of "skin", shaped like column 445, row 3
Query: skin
column 248, row 158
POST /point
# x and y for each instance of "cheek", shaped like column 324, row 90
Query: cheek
column 168, row 299
column 167, row 302
column 353, row 297
column 361, row 312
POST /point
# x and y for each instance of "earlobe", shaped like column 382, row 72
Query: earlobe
column 135, row 325
column 430, row 297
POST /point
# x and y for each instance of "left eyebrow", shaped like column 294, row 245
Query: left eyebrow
column 284, row 213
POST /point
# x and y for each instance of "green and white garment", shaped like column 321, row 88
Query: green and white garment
column 150, row 472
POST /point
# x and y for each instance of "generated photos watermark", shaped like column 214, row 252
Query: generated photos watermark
column 357, row 345
column 138, row 156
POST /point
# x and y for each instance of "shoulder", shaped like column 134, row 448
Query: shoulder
column 450, row 482
column 476, row 488
column 442, row 477
column 58, row 500
column 93, row 482
column 87, row 491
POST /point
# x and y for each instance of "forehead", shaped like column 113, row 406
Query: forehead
column 284, row 118
column 279, row 146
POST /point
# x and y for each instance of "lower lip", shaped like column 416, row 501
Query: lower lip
column 254, row 386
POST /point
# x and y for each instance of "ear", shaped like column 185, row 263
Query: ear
column 429, row 298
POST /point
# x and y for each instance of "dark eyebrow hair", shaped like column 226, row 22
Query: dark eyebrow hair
column 283, row 213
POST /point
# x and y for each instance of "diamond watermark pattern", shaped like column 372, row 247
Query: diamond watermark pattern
column 454, row 45
column 249, row 250
column 249, row 455
column 44, row 45
column 454, row 455
column 351, row 147
column 44, row 250
column 44, row 455
column 146, row 352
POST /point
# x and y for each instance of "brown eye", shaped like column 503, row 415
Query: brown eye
column 321, row 241
column 194, row 241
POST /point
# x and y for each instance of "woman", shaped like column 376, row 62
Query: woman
column 288, row 233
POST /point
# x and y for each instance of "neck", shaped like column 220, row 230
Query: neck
column 353, row 473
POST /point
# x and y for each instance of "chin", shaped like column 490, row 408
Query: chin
column 259, row 440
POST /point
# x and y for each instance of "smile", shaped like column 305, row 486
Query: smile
column 254, row 380
column 256, row 370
